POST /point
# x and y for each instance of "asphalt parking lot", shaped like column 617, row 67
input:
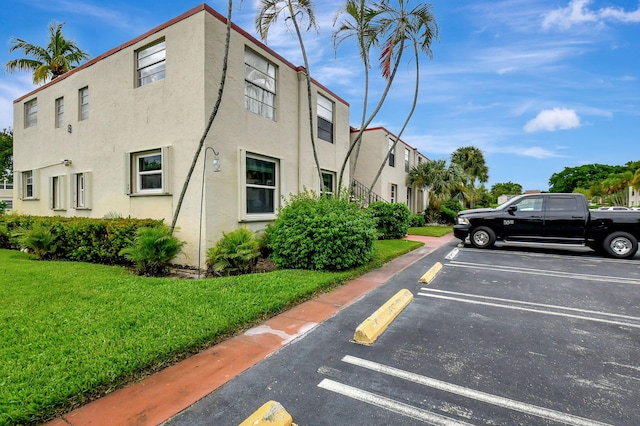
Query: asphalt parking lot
column 514, row 335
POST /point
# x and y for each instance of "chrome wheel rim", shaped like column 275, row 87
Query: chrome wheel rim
column 620, row 246
column 481, row 238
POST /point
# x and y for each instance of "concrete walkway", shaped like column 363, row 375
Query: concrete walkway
column 166, row 393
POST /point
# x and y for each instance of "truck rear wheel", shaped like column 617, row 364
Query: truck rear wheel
column 482, row 237
column 620, row 245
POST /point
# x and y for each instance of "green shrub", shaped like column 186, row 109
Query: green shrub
column 416, row 221
column 321, row 233
column 449, row 210
column 234, row 254
column 392, row 219
column 39, row 241
column 76, row 238
column 152, row 250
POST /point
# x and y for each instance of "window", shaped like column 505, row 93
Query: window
column 530, row 204
column 148, row 172
column 6, row 184
column 81, row 185
column 31, row 113
column 59, row 112
column 394, row 193
column 151, row 63
column 563, row 204
column 261, row 185
column 83, row 100
column 8, row 204
column 325, row 119
column 406, row 160
column 328, row 182
column 392, row 154
column 27, row 182
column 259, row 85
column 56, row 193
column 408, row 197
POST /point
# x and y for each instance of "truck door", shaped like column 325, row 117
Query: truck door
column 565, row 219
column 523, row 220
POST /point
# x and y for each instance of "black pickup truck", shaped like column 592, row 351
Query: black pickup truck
column 552, row 218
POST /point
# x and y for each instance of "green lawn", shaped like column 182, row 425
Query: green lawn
column 71, row 332
column 431, row 231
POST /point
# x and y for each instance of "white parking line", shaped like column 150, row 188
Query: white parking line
column 519, row 270
column 539, row 311
column 521, row 302
column 390, row 404
column 499, row 401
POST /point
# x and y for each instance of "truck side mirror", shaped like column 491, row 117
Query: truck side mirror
column 512, row 208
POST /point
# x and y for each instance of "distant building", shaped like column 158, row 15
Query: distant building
column 6, row 194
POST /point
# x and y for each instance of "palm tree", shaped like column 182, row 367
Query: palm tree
column 358, row 22
column 389, row 69
column 216, row 107
column 58, row 57
column 437, row 179
column 616, row 186
column 471, row 161
column 295, row 10
column 417, row 26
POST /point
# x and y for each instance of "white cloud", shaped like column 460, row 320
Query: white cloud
column 578, row 12
column 552, row 120
column 539, row 152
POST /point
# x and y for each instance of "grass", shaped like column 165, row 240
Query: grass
column 72, row 332
column 431, row 231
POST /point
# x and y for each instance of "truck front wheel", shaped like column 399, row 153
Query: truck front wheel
column 482, row 237
column 620, row 245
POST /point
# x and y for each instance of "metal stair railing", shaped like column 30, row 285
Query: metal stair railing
column 360, row 193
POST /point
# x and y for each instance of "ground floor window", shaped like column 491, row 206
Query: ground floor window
column 261, row 182
column 81, row 189
column 328, row 182
column 393, row 196
column 27, row 182
column 148, row 172
column 56, row 193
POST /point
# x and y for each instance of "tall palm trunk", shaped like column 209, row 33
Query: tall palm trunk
column 308, row 80
column 216, row 107
column 358, row 138
column 406, row 122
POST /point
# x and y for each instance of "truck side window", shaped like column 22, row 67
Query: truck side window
column 563, row 204
column 530, row 204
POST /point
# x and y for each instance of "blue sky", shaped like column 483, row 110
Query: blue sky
column 537, row 85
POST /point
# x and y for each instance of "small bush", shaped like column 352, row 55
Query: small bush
column 236, row 253
column 449, row 210
column 416, row 221
column 152, row 251
column 321, row 233
column 39, row 241
column 392, row 219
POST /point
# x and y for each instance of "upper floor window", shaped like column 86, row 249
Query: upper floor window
column 406, row 160
column 150, row 63
column 392, row 154
column 259, row 85
column 59, row 112
column 83, row 100
column 325, row 119
column 31, row 113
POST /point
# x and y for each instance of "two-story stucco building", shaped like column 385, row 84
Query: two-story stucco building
column 117, row 135
column 392, row 184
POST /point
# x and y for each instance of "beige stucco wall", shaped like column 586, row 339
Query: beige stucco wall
column 375, row 145
column 173, row 113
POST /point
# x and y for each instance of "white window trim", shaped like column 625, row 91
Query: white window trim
column 86, row 196
column 392, row 155
column 324, row 110
column 333, row 180
column 265, row 108
column 132, row 175
column 393, row 193
column 242, row 188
